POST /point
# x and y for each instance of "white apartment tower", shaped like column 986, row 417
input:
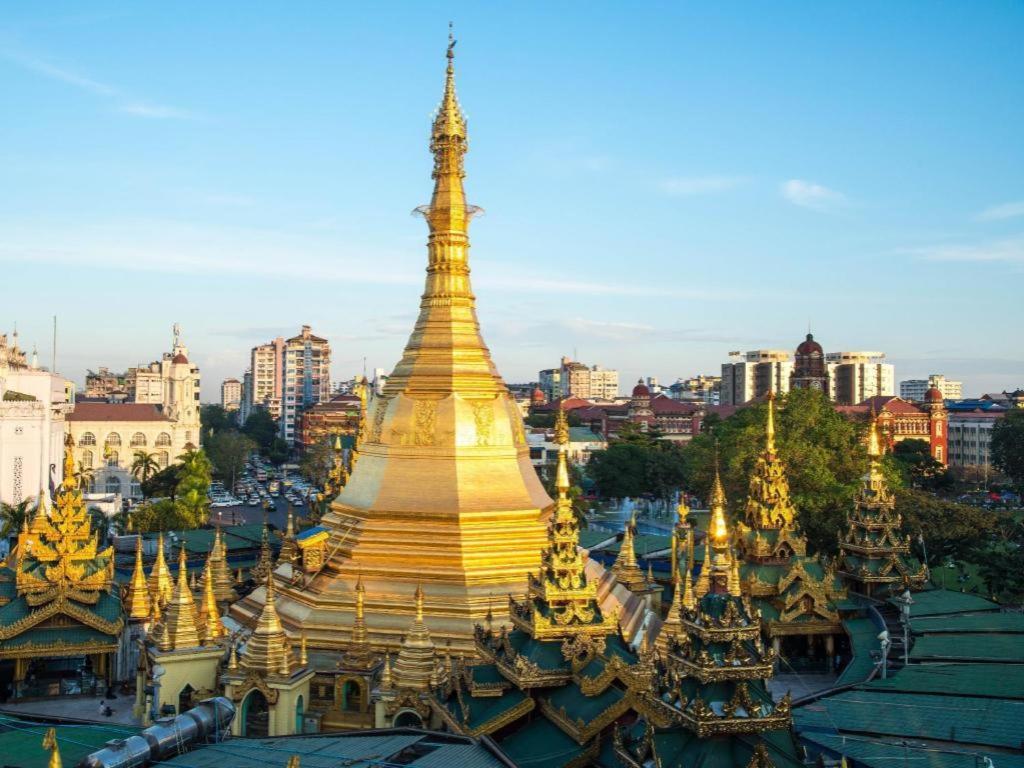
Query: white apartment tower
column 751, row 375
column 914, row 389
column 853, row 377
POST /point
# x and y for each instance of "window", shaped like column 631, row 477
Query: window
column 938, row 453
column 138, row 439
column 163, row 459
column 113, row 484
column 113, row 439
column 87, row 459
column 163, row 439
column 938, row 428
column 112, row 458
column 87, row 438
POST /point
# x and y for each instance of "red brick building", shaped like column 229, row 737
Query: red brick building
column 900, row 420
column 337, row 416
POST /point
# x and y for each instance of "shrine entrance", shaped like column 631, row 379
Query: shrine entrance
column 255, row 716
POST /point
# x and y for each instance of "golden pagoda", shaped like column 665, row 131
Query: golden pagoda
column 441, row 490
column 136, row 601
column 223, row 583
column 58, row 600
column 874, row 556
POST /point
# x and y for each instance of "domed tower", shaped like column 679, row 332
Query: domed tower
column 935, row 405
column 809, row 370
column 640, row 411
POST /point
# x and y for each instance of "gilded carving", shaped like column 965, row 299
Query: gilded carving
column 425, row 422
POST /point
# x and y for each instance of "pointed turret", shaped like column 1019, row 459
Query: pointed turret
column 180, row 629
column 289, row 548
column 160, row 586
column 768, row 505
column 136, row 603
column 209, row 615
column 625, row 567
column 416, row 657
column 267, row 651
column 359, row 652
column 223, row 583
column 265, row 564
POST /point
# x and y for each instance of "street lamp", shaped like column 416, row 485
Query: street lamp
column 883, row 637
column 905, row 601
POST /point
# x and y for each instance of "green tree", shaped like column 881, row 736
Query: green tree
column 949, row 530
column 918, row 467
column 638, row 463
column 1008, row 445
column 228, row 452
column 144, row 466
column 278, row 452
column 193, row 484
column 317, row 461
column 85, row 477
column 163, row 484
column 823, row 451
column 261, row 427
column 215, row 419
column 161, row 515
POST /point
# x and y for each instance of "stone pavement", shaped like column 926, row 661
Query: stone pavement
column 800, row 684
column 76, row 708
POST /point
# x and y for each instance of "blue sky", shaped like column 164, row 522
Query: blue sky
column 663, row 183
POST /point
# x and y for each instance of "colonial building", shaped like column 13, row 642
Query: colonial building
column 899, row 420
column 34, row 405
column 56, row 600
column 163, row 425
column 809, row 370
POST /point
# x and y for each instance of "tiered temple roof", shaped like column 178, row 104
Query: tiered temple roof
column 794, row 592
column 874, row 556
column 55, row 586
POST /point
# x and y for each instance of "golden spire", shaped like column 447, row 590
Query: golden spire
column 265, row 563
column 673, row 619
column 223, row 583
column 415, row 662
column 233, row 658
column 704, row 580
column 50, row 743
column 160, row 586
column 360, row 640
column 208, row 614
column 137, row 599
column 689, row 598
column 718, row 531
column 267, row 651
column 768, row 505
column 293, row 762
column 289, row 549
column 180, row 625
column 734, row 578
column 385, row 675
column 303, row 655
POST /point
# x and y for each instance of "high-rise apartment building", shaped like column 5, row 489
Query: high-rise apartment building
column 306, row 376
column 549, row 381
column 855, row 376
column 575, row 379
column 915, row 389
column 267, row 369
column 704, row 389
column 754, row 374
column 231, row 394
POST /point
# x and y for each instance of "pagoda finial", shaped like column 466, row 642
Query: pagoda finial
column 267, row 651
column 770, row 428
column 160, row 586
column 419, row 602
column 137, row 598
column 718, row 531
column 50, row 743
column 689, row 599
column 210, row 616
column 303, row 654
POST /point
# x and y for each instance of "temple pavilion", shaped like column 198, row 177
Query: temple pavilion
column 60, row 620
column 795, row 593
column 874, row 556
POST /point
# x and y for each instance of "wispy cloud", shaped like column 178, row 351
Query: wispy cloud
column 700, row 185
column 123, row 102
column 808, row 194
column 1010, row 250
column 1011, row 210
column 604, row 329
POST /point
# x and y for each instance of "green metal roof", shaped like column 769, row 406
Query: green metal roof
column 863, row 640
column 872, row 753
column 20, row 741
column 972, row 622
column 579, row 705
column 935, row 602
column 539, row 744
column 355, row 750
column 1005, row 681
column 590, row 538
column 959, row 719
column 969, row 646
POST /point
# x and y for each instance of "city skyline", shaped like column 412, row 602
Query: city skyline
column 232, row 193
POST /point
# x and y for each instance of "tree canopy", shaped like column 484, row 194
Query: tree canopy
column 1008, row 445
column 638, row 463
column 261, row 428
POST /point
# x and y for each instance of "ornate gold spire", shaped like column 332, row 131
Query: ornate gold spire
column 360, row 640
column 672, row 625
column 266, row 562
column 209, row 615
column 267, row 651
column 180, row 629
column 137, row 598
column 415, row 662
column 223, row 583
column 768, row 505
column 233, row 659
column 160, row 586
column 385, row 676
column 625, row 567
column 289, row 548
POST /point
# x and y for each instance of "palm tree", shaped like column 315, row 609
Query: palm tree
column 85, row 476
column 144, row 466
column 14, row 516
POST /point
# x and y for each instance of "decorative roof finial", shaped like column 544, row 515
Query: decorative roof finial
column 770, row 428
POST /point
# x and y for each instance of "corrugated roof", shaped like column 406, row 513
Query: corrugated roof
column 969, row 647
column 20, row 741
column 939, row 601
column 863, row 640
column 872, row 753
column 972, row 622
column 116, row 412
column 986, row 680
